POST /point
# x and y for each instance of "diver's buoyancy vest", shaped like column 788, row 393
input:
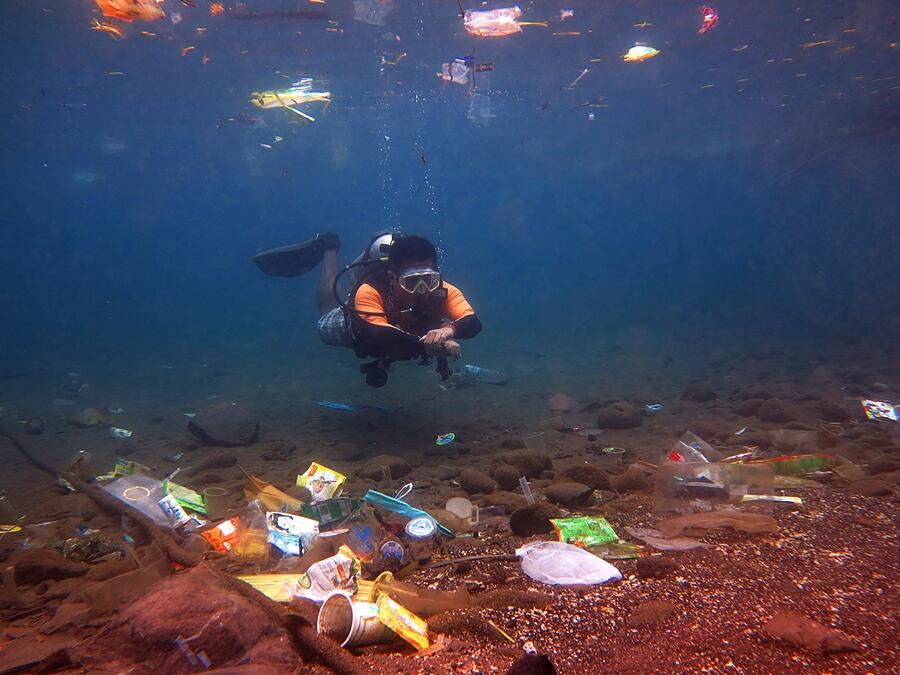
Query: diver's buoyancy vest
column 425, row 318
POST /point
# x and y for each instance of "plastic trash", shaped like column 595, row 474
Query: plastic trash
column 526, row 489
column 332, row 405
column 323, row 483
column 351, row 622
column 421, row 601
column 457, row 72
column 142, row 493
column 290, row 534
column 373, row 12
column 880, row 410
column 691, row 448
column 221, row 537
column 738, row 520
column 558, row 564
column 462, row 507
column 404, row 623
column 584, row 531
column 116, row 432
column 445, row 439
column 420, row 535
column 492, row 23
column 657, row 540
column 331, row 512
column 270, row 496
column 326, row 576
column 251, row 541
column 792, row 465
column 696, row 486
column 400, row 507
column 485, row 375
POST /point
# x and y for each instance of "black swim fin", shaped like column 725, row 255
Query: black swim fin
column 297, row 259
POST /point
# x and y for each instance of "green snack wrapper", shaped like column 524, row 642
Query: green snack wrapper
column 186, row 497
column 585, row 531
column 792, row 465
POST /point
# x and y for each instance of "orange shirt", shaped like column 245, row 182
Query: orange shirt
column 368, row 299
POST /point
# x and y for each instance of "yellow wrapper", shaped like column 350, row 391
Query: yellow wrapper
column 403, row 622
column 270, row 496
column 323, row 483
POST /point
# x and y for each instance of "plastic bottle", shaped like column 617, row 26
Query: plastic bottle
column 251, row 543
column 485, row 375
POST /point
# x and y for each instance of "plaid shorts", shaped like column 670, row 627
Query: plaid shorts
column 334, row 329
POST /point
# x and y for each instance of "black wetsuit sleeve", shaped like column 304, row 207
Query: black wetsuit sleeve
column 467, row 327
column 390, row 342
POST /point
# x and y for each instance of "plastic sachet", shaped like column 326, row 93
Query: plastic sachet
column 142, row 493
column 323, row 483
column 558, row 564
column 290, row 534
column 493, row 23
column 404, row 623
column 326, row 576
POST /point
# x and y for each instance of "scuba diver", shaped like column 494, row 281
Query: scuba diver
column 399, row 307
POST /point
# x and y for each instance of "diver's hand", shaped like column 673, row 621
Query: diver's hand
column 434, row 340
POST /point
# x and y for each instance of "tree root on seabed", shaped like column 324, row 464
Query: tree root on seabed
column 311, row 646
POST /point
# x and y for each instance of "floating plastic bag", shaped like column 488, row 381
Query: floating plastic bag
column 456, row 72
column 557, row 564
column 373, row 12
column 493, row 23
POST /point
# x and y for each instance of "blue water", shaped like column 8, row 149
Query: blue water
column 738, row 189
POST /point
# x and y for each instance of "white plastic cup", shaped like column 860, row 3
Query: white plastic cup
column 351, row 622
column 215, row 499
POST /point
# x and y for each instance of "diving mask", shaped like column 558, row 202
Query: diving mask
column 420, row 281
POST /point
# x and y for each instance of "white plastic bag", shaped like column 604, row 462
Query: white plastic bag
column 558, row 564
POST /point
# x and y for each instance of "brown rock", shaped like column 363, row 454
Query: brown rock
column 650, row 613
column 398, row 466
column 589, row 474
column 619, row 415
column 533, row 519
column 220, row 460
column 699, row 393
column 570, row 494
column 510, row 501
column 774, row 410
column 871, row 487
column 89, row 417
column 756, row 392
column 225, row 424
column 834, row 412
column 799, row 630
column 749, row 407
column 655, row 567
column 530, row 462
column 34, row 565
column 474, row 481
column 633, row 479
column 506, row 475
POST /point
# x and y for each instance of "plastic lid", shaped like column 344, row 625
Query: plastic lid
column 420, row 528
column 392, row 549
